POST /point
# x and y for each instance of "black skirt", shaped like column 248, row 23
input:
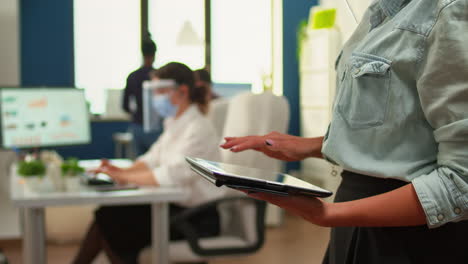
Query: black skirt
column 127, row 229
column 392, row 245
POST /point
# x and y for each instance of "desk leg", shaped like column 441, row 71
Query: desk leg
column 160, row 233
column 34, row 244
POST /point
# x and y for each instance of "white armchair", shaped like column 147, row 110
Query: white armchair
column 217, row 114
column 255, row 114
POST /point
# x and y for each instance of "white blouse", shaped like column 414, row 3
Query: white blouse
column 192, row 134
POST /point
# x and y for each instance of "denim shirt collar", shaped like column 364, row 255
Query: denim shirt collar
column 385, row 8
column 391, row 7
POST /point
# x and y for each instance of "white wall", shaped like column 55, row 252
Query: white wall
column 9, row 43
column 345, row 21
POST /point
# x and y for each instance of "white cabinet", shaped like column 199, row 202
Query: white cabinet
column 317, row 75
column 317, row 92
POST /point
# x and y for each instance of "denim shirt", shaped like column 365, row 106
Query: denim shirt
column 401, row 109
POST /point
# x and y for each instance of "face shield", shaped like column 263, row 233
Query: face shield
column 161, row 91
column 160, row 85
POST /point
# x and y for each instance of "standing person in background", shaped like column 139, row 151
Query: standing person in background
column 133, row 100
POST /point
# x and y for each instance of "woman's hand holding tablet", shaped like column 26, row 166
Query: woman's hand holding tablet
column 254, row 180
column 283, row 190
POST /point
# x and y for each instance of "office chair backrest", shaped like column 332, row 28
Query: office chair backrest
column 217, row 114
column 251, row 114
column 255, row 114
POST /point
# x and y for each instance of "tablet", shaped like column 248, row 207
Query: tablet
column 249, row 179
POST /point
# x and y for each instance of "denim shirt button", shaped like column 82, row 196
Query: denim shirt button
column 440, row 217
column 457, row 211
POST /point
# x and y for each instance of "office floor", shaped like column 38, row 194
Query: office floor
column 296, row 241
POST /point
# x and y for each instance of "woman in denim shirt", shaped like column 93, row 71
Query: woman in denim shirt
column 400, row 131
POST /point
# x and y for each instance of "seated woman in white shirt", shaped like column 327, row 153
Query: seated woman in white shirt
column 122, row 231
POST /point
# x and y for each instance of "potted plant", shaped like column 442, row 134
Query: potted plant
column 33, row 172
column 71, row 170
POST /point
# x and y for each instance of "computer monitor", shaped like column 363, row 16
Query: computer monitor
column 228, row 90
column 40, row 117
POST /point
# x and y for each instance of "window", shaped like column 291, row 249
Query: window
column 178, row 28
column 107, row 41
column 107, row 46
column 241, row 41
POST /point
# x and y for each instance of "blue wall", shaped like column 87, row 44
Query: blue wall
column 102, row 144
column 294, row 11
column 46, row 43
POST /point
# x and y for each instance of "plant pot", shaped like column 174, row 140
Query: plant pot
column 33, row 183
column 55, row 176
column 73, row 183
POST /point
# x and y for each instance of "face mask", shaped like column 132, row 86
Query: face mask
column 162, row 104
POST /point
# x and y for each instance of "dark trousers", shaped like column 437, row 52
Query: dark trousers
column 392, row 245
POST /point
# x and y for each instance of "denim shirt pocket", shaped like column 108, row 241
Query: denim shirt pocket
column 364, row 91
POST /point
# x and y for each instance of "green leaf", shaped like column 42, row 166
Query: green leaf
column 31, row 168
column 71, row 167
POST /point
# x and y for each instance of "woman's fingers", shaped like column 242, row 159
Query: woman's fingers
column 105, row 162
column 252, row 143
column 94, row 171
column 99, row 169
column 230, row 142
column 273, row 148
column 111, row 173
column 274, row 144
column 241, row 143
column 271, row 141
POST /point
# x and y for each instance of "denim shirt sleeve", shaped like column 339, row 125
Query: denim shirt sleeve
column 442, row 85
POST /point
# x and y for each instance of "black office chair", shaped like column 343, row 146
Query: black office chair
column 3, row 258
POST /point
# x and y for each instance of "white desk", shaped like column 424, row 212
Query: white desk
column 33, row 204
